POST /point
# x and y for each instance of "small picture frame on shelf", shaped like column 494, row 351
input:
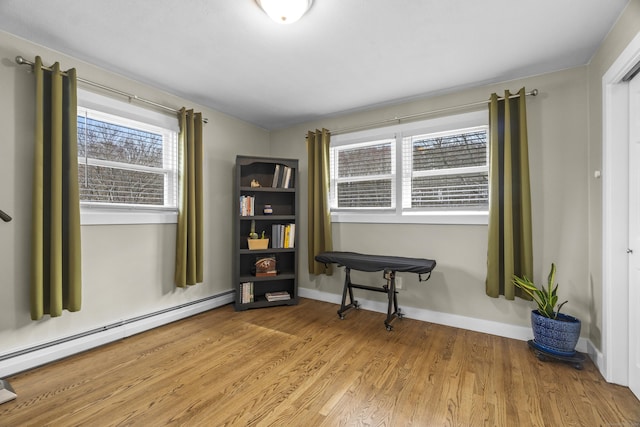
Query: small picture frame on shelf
column 266, row 265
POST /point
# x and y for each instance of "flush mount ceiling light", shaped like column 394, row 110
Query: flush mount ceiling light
column 285, row 11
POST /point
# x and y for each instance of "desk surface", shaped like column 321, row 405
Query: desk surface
column 366, row 262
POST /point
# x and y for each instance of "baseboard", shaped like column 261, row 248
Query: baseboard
column 597, row 357
column 18, row 361
column 522, row 333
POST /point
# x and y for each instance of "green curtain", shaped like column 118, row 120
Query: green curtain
column 319, row 215
column 56, row 279
column 510, row 249
column 189, row 239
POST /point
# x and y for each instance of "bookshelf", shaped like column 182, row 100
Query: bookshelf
column 262, row 181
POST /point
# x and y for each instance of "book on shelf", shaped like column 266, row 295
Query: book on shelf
column 276, row 176
column 266, row 265
column 286, row 179
column 289, row 236
column 247, row 204
column 283, row 235
column 246, row 292
column 277, row 296
column 275, row 235
column 281, row 176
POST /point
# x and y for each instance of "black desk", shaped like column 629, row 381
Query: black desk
column 389, row 265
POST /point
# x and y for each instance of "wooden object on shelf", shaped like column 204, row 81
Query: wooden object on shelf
column 266, row 265
column 258, row 243
column 283, row 198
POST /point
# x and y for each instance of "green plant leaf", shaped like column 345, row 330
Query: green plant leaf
column 545, row 297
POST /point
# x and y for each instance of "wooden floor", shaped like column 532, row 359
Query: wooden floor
column 303, row 366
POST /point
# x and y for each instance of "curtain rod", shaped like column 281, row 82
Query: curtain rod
column 21, row 61
column 534, row 92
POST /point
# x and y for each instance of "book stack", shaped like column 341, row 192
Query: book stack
column 283, row 235
column 246, row 292
column 247, row 205
column 277, row 296
column 282, row 177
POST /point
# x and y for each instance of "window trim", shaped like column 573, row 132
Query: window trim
column 101, row 214
column 414, row 216
column 121, row 215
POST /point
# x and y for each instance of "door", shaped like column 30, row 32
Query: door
column 634, row 236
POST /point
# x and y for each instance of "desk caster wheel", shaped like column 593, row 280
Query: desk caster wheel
column 356, row 305
column 389, row 328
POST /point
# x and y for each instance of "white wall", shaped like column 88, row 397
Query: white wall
column 557, row 123
column 127, row 269
column 619, row 37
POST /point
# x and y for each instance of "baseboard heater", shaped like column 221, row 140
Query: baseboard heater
column 28, row 358
column 6, row 392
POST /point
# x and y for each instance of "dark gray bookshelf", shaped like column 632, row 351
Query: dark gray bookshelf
column 285, row 205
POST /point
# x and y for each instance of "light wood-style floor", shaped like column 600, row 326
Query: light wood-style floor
column 303, row 366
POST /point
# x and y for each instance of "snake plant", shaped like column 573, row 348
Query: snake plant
column 546, row 298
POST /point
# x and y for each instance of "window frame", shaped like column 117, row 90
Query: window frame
column 398, row 132
column 104, row 108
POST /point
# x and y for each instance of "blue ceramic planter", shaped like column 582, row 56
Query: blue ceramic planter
column 556, row 335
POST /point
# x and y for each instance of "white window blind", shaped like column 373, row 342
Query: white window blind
column 446, row 170
column 363, row 175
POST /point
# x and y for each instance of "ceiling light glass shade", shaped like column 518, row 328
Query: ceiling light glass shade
column 285, row 11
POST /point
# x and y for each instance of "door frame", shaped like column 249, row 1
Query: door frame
column 615, row 216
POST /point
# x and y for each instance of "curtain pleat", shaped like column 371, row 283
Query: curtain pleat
column 189, row 239
column 319, row 214
column 510, row 249
column 56, row 279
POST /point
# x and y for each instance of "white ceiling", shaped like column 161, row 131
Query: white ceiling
column 344, row 55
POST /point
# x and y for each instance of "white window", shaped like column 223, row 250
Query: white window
column 364, row 175
column 432, row 171
column 127, row 162
column 446, row 170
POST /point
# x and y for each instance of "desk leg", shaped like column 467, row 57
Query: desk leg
column 395, row 299
column 344, row 307
column 389, row 275
column 392, row 308
column 390, row 287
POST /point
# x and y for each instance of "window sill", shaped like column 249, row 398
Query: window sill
column 120, row 216
column 444, row 218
